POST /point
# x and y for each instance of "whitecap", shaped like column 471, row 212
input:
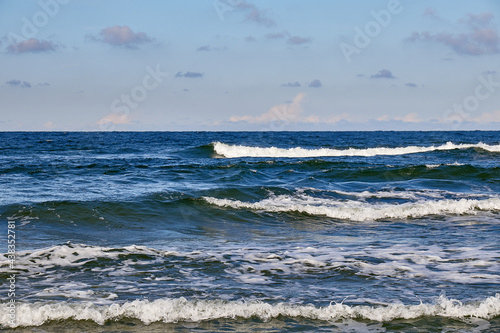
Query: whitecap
column 183, row 310
column 232, row 151
column 361, row 211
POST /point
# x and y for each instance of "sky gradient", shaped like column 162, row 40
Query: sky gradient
column 75, row 65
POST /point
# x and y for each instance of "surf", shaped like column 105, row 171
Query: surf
column 184, row 310
column 234, row 151
column 360, row 211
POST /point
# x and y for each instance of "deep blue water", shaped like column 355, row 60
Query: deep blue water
column 235, row 231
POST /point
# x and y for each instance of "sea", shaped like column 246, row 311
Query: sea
column 250, row 231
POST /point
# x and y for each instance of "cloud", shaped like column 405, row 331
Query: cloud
column 385, row 117
column 383, row 74
column 250, row 39
column 49, row 125
column 480, row 36
column 337, row 118
column 409, row 118
column 315, row 84
column 288, row 112
column 297, row 40
column 18, row 83
column 208, row 48
column 115, row 119
column 121, row 36
column 44, row 84
column 255, row 15
column 431, row 12
column 488, row 117
column 190, row 75
column 290, row 40
column 411, row 85
column 32, row 45
column 291, row 84
column 485, row 118
column 204, row 48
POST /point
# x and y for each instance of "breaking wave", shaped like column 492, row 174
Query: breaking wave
column 361, row 211
column 183, row 310
column 231, row 151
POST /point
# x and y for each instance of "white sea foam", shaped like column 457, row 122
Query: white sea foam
column 248, row 265
column 407, row 194
column 265, row 266
column 74, row 255
column 361, row 211
column 409, row 261
column 231, row 151
column 433, row 166
column 183, row 310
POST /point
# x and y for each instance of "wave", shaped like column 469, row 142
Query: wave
column 199, row 151
column 394, row 193
column 231, row 151
column 183, row 310
column 270, row 265
column 361, row 211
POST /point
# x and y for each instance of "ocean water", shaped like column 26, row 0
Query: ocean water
column 246, row 232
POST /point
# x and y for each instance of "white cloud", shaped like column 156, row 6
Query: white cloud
column 288, row 112
column 384, row 118
column 409, row 118
column 480, row 37
column 121, row 36
column 336, row 118
column 32, row 45
column 115, row 118
column 49, row 125
column 488, row 117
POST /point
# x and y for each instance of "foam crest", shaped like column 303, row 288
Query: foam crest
column 232, row 151
column 71, row 255
column 361, row 211
column 183, row 310
column 388, row 193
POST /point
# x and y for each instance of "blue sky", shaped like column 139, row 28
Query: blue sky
column 249, row 65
